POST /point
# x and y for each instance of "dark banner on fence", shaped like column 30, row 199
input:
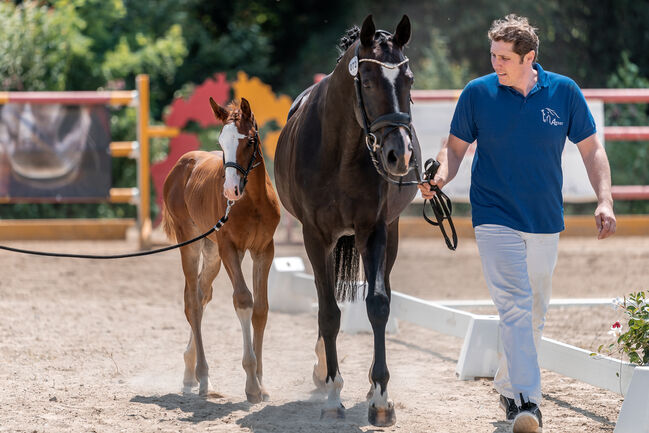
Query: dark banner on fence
column 54, row 152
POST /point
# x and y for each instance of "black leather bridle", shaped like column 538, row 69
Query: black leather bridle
column 440, row 203
column 254, row 140
column 389, row 122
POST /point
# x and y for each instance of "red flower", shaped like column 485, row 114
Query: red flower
column 616, row 325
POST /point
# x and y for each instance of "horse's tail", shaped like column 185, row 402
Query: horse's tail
column 347, row 264
column 168, row 224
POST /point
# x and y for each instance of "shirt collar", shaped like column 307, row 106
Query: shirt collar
column 541, row 80
column 542, row 77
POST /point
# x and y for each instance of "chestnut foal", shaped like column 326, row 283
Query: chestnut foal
column 196, row 193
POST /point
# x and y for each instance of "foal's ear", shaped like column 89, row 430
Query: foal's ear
column 245, row 108
column 402, row 34
column 219, row 112
column 367, row 31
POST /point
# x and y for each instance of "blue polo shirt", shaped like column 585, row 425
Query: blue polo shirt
column 516, row 175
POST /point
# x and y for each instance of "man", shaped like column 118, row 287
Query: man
column 520, row 116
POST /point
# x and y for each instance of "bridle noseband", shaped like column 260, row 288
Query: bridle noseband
column 254, row 140
column 390, row 122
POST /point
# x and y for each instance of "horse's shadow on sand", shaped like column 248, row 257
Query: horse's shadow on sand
column 296, row 415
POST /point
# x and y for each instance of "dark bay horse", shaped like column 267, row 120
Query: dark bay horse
column 196, row 193
column 339, row 160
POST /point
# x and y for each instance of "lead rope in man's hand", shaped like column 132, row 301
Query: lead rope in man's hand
column 441, row 205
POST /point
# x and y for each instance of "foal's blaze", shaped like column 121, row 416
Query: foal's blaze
column 195, row 197
column 386, row 89
column 236, row 140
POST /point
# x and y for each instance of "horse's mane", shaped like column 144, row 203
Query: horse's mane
column 352, row 34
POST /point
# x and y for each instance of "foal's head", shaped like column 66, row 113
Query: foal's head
column 385, row 81
column 239, row 141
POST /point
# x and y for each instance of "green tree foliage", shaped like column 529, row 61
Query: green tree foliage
column 436, row 70
column 39, row 46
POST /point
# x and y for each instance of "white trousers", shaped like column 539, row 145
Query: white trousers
column 518, row 269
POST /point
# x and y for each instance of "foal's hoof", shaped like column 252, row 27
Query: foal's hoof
column 382, row 417
column 255, row 398
column 333, row 413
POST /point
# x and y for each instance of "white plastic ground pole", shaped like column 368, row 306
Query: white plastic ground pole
column 479, row 354
column 354, row 319
column 634, row 415
column 286, row 292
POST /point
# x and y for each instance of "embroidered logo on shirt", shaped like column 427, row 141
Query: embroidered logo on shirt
column 550, row 117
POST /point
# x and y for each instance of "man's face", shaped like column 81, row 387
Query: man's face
column 508, row 65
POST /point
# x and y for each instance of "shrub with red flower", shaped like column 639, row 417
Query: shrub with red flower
column 634, row 342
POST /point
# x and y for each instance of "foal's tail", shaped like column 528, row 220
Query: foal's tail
column 168, row 224
column 347, row 264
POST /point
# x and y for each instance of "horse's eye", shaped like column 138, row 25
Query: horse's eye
column 367, row 84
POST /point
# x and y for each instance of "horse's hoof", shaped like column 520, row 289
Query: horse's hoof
column 335, row 413
column 254, row 398
column 265, row 396
column 382, row 417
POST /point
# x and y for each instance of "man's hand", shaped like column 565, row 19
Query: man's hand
column 426, row 189
column 605, row 220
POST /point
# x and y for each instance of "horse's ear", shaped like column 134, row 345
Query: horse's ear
column 367, row 31
column 402, row 34
column 219, row 112
column 245, row 108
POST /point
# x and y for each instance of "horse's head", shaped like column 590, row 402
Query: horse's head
column 383, row 105
column 239, row 140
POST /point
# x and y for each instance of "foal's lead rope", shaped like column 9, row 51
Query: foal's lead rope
column 215, row 228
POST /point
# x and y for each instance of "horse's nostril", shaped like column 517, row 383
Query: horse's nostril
column 236, row 190
column 392, row 158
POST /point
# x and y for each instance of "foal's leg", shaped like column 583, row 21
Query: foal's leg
column 262, row 261
column 209, row 271
column 243, row 305
column 195, row 362
column 374, row 247
column 328, row 319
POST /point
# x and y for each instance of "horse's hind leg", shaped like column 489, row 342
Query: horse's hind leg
column 243, row 305
column 262, row 262
column 195, row 362
column 320, row 367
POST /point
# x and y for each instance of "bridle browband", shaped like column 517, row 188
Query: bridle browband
column 254, row 139
column 391, row 121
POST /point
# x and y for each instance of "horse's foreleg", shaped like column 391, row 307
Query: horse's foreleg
column 243, row 305
column 375, row 255
column 328, row 320
column 261, row 267
column 195, row 362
